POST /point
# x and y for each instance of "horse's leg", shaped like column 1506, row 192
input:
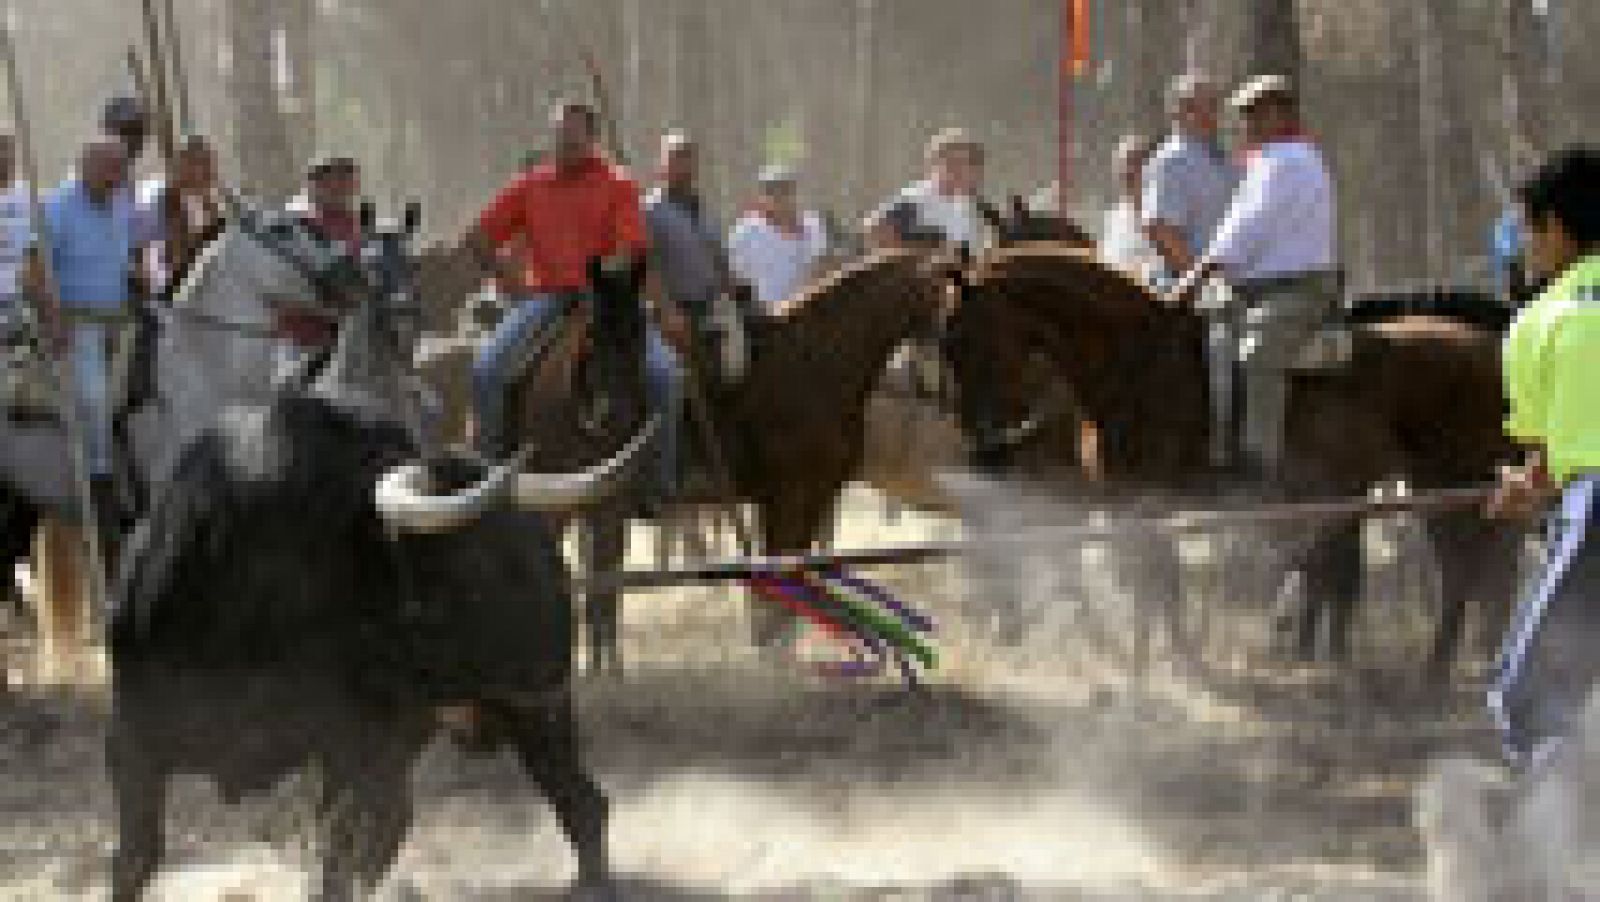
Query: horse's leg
column 1500, row 573
column 61, row 589
column 1165, row 573
column 1332, row 569
column 139, row 789
column 788, row 526
column 1478, row 566
column 604, row 534
column 545, row 736
column 1450, row 543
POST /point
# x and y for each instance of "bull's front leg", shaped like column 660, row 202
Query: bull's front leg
column 139, row 786
column 366, row 812
column 544, row 733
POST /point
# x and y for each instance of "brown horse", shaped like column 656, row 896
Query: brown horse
column 1419, row 401
column 791, row 430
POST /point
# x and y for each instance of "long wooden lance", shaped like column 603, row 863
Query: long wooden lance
column 181, row 112
column 46, row 305
column 1054, row 539
column 166, row 141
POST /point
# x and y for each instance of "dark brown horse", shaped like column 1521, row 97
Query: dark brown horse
column 1419, row 401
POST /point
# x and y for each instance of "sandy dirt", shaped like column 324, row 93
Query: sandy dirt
column 1043, row 771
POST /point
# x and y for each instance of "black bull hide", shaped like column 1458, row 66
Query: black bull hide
column 265, row 623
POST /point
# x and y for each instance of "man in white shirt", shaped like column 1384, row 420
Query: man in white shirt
column 1189, row 181
column 776, row 248
column 1276, row 248
column 16, row 229
column 1123, row 243
column 1187, row 187
column 943, row 208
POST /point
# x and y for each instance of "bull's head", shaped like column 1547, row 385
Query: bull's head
column 411, row 498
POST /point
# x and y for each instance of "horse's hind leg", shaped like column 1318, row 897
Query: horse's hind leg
column 544, row 734
column 1332, row 569
column 139, row 787
column 1478, row 566
column 604, row 535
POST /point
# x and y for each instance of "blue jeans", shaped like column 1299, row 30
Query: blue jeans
column 1548, row 666
column 91, row 390
column 489, row 375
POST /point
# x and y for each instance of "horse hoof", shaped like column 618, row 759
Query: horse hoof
column 595, row 889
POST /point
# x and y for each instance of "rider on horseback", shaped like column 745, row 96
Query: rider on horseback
column 539, row 236
column 91, row 224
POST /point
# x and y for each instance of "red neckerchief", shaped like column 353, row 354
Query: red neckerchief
column 1291, row 135
column 792, row 232
column 342, row 226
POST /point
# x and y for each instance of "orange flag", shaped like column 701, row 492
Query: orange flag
column 1077, row 36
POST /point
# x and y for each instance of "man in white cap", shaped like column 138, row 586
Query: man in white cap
column 1189, row 180
column 943, row 208
column 1276, row 248
column 777, row 247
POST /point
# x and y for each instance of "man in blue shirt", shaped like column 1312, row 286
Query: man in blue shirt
column 90, row 245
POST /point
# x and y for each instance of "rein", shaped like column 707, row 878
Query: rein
column 219, row 324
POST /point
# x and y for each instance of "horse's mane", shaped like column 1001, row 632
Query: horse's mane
column 1054, row 281
column 1472, row 308
column 199, row 271
column 845, row 285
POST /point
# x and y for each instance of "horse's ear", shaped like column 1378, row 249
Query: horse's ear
column 953, row 266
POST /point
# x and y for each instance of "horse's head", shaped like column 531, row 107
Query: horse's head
column 374, row 356
column 987, row 343
column 1022, row 225
column 1051, row 336
column 267, row 257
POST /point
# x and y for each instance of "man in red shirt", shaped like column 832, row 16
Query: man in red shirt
column 538, row 237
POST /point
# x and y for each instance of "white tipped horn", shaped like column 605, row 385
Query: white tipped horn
column 564, row 491
column 405, row 500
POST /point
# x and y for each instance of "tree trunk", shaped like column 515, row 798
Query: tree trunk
column 1521, row 54
column 1274, row 41
column 270, row 94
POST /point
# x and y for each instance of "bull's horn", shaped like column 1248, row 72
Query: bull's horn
column 404, row 501
column 564, row 491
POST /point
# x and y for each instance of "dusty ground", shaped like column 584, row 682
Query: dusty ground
column 1046, row 771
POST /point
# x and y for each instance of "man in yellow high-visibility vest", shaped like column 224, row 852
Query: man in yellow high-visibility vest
column 1551, row 656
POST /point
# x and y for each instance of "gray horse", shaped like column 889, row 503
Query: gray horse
column 214, row 346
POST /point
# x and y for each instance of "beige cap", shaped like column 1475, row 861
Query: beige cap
column 950, row 139
column 1260, row 88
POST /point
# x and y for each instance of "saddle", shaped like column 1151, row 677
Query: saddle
column 1331, row 347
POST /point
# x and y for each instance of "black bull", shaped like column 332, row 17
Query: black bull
column 266, row 623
